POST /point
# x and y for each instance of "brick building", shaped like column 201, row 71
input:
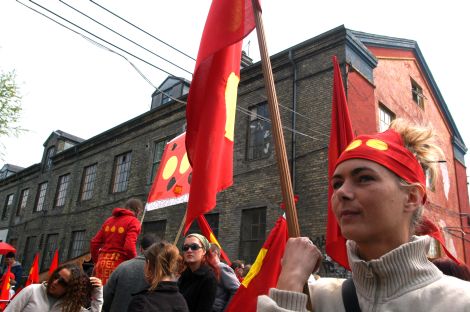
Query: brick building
column 62, row 201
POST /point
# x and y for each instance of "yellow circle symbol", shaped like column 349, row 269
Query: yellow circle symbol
column 230, row 104
column 184, row 166
column 377, row 144
column 113, row 229
column 170, row 167
column 106, row 229
column 120, row 230
column 354, row 144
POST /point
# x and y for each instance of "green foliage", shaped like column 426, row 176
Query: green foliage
column 10, row 104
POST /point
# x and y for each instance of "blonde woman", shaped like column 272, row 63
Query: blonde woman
column 162, row 262
column 378, row 198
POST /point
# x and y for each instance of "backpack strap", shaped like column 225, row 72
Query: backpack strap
column 348, row 291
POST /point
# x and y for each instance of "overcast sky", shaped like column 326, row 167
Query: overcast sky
column 70, row 84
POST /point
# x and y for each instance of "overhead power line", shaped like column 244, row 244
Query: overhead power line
column 122, row 36
column 149, row 34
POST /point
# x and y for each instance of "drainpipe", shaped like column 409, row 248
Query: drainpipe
column 294, row 118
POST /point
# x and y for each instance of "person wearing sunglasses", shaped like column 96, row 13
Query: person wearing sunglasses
column 198, row 282
column 68, row 289
column 162, row 264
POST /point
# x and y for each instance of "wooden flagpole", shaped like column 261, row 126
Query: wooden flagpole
column 281, row 154
column 181, row 228
column 280, row 147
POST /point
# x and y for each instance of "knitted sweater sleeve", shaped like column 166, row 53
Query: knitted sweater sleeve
column 282, row 301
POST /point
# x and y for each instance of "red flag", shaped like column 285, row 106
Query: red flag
column 172, row 182
column 5, row 290
column 207, row 232
column 33, row 277
column 210, row 111
column 54, row 263
column 341, row 134
column 427, row 227
column 264, row 273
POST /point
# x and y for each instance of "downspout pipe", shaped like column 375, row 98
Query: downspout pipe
column 293, row 118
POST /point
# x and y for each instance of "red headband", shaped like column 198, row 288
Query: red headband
column 387, row 149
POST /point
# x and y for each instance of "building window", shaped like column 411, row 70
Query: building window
column 417, row 94
column 158, row 148
column 30, row 249
column 88, row 182
column 77, row 244
column 23, row 201
column 252, row 233
column 155, row 227
column 122, row 166
column 49, row 154
column 8, row 204
column 259, row 133
column 212, row 219
column 51, row 246
column 429, row 180
column 434, row 250
column 62, row 187
column 385, row 118
column 40, row 196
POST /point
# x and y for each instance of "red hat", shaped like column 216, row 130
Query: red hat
column 387, row 149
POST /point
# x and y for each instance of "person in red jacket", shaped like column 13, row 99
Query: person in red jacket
column 115, row 242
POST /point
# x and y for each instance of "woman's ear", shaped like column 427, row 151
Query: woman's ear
column 414, row 198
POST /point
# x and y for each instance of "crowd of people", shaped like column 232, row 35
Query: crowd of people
column 378, row 199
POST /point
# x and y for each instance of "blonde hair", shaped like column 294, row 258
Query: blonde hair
column 163, row 260
column 420, row 140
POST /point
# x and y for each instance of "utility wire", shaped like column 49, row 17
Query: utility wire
column 149, row 34
column 241, row 109
column 105, row 48
column 122, row 36
column 111, row 44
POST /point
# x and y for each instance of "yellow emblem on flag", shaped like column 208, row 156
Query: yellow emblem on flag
column 256, row 267
column 230, row 104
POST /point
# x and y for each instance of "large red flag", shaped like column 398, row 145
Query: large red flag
column 207, row 232
column 172, row 182
column 264, row 273
column 210, row 111
column 33, row 277
column 341, row 134
column 54, row 262
column 5, row 290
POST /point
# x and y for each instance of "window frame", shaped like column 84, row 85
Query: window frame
column 48, row 161
column 253, row 244
column 22, row 203
column 8, row 203
column 119, row 185
column 61, row 191
column 417, row 94
column 49, row 253
column 73, row 251
column 386, row 112
column 254, row 150
column 87, row 184
column 40, row 197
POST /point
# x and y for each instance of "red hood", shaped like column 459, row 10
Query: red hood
column 122, row 212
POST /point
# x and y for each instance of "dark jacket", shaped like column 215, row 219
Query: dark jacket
column 17, row 270
column 165, row 298
column 127, row 279
column 198, row 288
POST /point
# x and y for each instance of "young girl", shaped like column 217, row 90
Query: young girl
column 162, row 262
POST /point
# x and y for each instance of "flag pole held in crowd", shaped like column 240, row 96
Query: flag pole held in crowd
column 281, row 154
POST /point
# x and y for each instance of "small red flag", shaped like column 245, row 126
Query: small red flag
column 5, row 290
column 207, row 232
column 172, row 182
column 33, row 277
column 264, row 273
column 210, row 111
column 341, row 134
column 54, row 263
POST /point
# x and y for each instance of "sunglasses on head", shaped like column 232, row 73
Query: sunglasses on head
column 193, row 247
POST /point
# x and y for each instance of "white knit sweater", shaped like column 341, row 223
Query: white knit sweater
column 401, row 280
